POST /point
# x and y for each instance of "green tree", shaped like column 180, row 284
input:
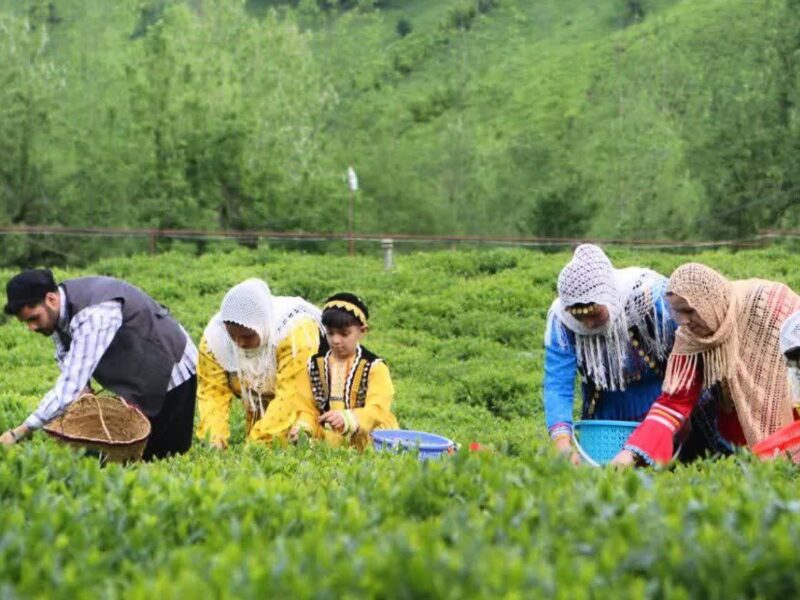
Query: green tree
column 27, row 102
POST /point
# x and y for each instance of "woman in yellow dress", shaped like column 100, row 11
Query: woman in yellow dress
column 256, row 348
column 350, row 386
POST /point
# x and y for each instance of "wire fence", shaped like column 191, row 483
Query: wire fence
column 153, row 235
column 154, row 240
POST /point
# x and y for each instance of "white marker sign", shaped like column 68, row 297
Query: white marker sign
column 352, row 179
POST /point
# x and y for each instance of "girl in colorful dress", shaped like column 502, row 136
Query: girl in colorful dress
column 613, row 328
column 727, row 343
column 350, row 386
column 256, row 348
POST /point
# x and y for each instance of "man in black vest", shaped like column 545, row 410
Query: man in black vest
column 109, row 330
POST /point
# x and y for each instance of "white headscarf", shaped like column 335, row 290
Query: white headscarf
column 790, row 338
column 630, row 295
column 252, row 305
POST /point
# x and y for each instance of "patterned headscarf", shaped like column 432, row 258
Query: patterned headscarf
column 743, row 350
column 630, row 295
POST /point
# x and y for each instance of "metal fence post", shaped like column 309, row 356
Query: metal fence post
column 153, row 241
column 388, row 253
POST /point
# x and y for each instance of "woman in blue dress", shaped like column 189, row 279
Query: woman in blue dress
column 613, row 329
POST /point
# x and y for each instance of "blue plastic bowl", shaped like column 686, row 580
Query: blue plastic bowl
column 428, row 445
column 598, row 442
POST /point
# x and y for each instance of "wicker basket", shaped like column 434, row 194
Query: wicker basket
column 103, row 424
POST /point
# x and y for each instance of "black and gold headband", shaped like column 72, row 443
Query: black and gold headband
column 349, row 307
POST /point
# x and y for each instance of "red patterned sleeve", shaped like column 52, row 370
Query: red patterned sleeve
column 652, row 441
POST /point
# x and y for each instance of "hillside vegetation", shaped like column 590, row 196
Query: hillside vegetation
column 642, row 118
column 462, row 334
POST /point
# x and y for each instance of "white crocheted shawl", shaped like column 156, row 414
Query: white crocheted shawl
column 633, row 296
column 252, row 305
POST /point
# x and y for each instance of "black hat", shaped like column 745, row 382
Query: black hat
column 28, row 288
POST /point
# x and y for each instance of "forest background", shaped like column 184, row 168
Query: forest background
column 616, row 118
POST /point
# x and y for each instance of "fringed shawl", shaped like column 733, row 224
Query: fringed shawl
column 743, row 352
column 634, row 297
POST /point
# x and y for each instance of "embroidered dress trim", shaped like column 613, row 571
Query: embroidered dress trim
column 560, row 429
column 641, row 454
column 319, row 382
column 351, row 377
column 354, row 394
column 671, row 419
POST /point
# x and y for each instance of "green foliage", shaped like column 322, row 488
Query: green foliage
column 463, row 15
column 177, row 133
column 646, row 118
column 462, row 333
column 404, row 27
column 30, row 84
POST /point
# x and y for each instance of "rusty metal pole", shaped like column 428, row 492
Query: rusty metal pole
column 352, row 223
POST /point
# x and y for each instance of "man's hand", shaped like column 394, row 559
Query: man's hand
column 218, row 444
column 334, row 418
column 12, row 436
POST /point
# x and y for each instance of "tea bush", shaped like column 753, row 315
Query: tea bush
column 462, row 333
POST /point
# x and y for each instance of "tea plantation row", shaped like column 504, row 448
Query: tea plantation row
column 462, row 332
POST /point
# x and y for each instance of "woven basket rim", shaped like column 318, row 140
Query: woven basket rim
column 73, row 438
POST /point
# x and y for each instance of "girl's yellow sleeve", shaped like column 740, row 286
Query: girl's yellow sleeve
column 213, row 397
column 376, row 413
column 291, row 403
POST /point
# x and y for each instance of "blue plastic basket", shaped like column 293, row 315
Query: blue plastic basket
column 598, row 442
column 428, row 445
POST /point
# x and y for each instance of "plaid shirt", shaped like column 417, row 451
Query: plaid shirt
column 80, row 344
